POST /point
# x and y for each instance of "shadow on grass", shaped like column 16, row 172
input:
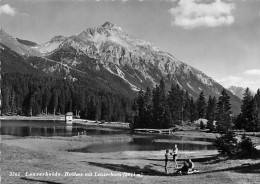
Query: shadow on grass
column 245, row 168
column 203, row 159
column 147, row 170
column 43, row 181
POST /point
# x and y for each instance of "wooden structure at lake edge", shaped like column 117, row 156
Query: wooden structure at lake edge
column 69, row 118
column 154, row 131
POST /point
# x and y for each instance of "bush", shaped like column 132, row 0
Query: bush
column 223, row 126
column 247, row 148
column 227, row 144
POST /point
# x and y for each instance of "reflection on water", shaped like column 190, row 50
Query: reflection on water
column 47, row 129
column 140, row 142
column 143, row 144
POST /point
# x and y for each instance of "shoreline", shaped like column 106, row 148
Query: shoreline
column 116, row 125
column 48, row 117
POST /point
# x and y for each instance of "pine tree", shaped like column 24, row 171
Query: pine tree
column 176, row 103
column 6, row 96
column 193, row 110
column 98, row 111
column 201, row 105
column 227, row 144
column 139, row 109
column 257, row 98
column 54, row 101
column 46, row 100
column 211, row 108
column 223, row 116
column 186, row 108
column 255, row 124
column 148, row 121
column 13, row 102
column 256, row 111
column 246, row 119
column 158, row 107
column 167, row 119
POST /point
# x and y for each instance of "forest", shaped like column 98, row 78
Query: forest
column 158, row 108
column 31, row 95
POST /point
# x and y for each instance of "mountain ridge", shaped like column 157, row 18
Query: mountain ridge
column 239, row 91
column 140, row 64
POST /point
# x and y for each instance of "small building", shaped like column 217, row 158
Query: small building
column 69, row 117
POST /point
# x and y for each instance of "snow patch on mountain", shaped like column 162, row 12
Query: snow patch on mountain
column 120, row 73
column 48, row 47
column 204, row 79
column 188, row 84
column 122, row 76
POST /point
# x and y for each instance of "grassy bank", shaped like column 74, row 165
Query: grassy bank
column 40, row 155
column 40, row 117
column 61, row 118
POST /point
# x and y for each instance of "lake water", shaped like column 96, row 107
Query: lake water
column 140, row 142
column 151, row 143
column 48, row 128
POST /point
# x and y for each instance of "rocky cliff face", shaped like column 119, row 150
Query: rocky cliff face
column 107, row 52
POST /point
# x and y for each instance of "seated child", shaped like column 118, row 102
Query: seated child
column 187, row 168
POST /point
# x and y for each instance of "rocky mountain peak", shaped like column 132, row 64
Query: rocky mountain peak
column 2, row 31
column 108, row 25
column 58, row 38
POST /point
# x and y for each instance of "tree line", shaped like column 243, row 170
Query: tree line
column 30, row 95
column 158, row 108
column 249, row 118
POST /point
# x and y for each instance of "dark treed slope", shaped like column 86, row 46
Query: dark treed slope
column 26, row 42
column 28, row 94
column 13, row 62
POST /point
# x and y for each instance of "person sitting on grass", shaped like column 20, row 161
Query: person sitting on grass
column 187, row 168
column 191, row 165
column 166, row 160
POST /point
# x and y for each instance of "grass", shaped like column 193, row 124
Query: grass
column 40, row 155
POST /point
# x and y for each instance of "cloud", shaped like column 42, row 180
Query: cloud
column 7, row 9
column 196, row 13
column 100, row 0
column 240, row 82
column 252, row 72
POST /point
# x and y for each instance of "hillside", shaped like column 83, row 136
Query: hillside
column 118, row 60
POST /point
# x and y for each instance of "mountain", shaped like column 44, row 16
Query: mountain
column 16, row 46
column 112, row 56
column 239, row 91
column 48, row 47
column 14, row 62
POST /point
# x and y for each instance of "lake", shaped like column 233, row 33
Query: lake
column 140, row 142
column 49, row 128
column 150, row 143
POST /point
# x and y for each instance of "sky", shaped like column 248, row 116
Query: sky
column 219, row 37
